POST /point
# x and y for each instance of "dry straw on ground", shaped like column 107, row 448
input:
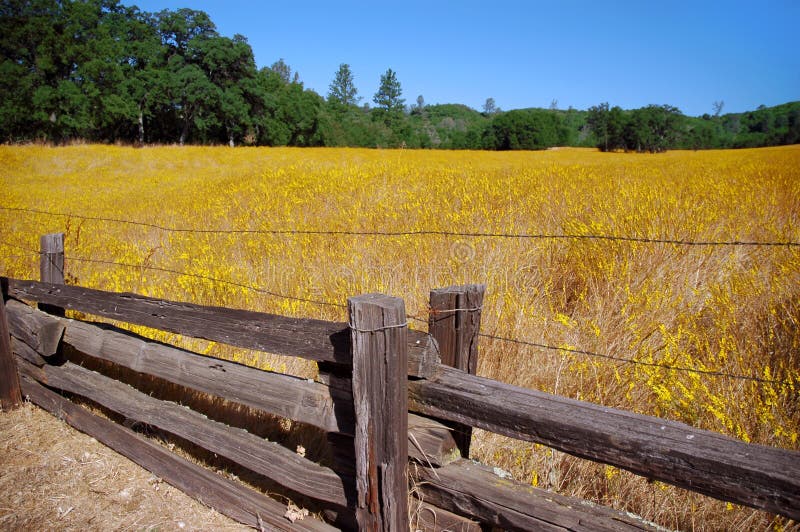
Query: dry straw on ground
column 53, row 477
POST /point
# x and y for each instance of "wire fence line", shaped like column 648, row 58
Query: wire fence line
column 516, row 341
column 417, row 232
column 249, row 287
column 14, row 257
column 207, row 278
column 418, row 319
column 592, row 354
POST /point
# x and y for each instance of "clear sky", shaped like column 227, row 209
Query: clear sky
column 528, row 53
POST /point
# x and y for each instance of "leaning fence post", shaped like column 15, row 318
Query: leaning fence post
column 51, row 265
column 10, row 394
column 379, row 332
column 454, row 322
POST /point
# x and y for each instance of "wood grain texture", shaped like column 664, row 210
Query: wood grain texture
column 455, row 322
column 39, row 330
column 10, row 392
column 26, row 352
column 290, row 397
column 51, row 259
column 430, row 442
column 379, row 337
column 265, row 458
column 318, row 340
column 51, row 266
column 429, row 518
column 227, row 497
column 762, row 477
column 477, row 491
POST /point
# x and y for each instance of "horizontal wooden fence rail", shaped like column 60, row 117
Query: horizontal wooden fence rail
column 294, row 398
column 468, row 488
column 44, row 344
column 239, row 446
column 710, row 463
column 703, row 461
column 317, row 340
column 231, row 498
column 374, row 372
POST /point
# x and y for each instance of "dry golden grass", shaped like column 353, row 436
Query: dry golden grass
column 729, row 309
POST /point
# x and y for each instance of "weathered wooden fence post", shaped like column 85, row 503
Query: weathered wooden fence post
column 455, row 321
column 10, row 394
column 379, row 332
column 51, row 265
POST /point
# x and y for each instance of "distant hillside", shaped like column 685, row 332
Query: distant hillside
column 104, row 72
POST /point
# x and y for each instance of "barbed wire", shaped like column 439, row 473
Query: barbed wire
column 22, row 248
column 189, row 274
column 208, row 278
column 417, row 232
column 710, row 373
column 14, row 257
column 527, row 343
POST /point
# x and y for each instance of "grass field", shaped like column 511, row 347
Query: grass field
column 713, row 307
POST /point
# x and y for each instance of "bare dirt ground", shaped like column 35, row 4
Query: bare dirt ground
column 53, row 477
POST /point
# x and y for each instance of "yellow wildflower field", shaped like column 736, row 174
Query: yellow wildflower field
column 600, row 256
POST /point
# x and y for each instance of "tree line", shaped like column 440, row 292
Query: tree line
column 100, row 71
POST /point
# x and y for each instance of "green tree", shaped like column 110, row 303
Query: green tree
column 268, row 127
column 145, row 78
column 30, row 42
column 524, row 129
column 391, row 112
column 300, row 111
column 489, row 107
column 654, row 128
column 194, row 97
column 283, row 70
column 388, row 96
column 419, row 108
column 342, row 89
column 178, row 28
column 228, row 64
column 608, row 126
column 597, row 120
column 104, row 68
column 63, row 110
column 617, row 122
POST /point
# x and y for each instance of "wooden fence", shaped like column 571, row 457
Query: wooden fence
column 378, row 381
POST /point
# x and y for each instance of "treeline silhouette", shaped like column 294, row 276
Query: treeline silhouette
column 100, row 71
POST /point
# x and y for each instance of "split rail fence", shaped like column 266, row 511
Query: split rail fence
column 378, row 382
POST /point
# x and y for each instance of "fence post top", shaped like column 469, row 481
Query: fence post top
column 54, row 240
column 374, row 298
column 459, row 288
column 376, row 312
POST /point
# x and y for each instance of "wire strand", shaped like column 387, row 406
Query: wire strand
column 592, row 354
column 379, row 329
column 710, row 373
column 419, row 232
column 209, row 278
column 527, row 343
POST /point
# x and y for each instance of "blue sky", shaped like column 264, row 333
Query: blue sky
column 526, row 54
